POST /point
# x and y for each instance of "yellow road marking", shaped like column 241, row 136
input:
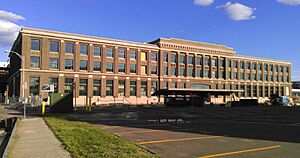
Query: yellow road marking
column 140, row 131
column 241, row 151
column 176, row 140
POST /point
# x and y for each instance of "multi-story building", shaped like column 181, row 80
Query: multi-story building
column 111, row 70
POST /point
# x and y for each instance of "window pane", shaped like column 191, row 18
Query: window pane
column 109, row 67
column 132, row 88
column 68, row 85
column 34, row 62
column 122, row 68
column 109, row 87
column 53, row 63
column 153, row 87
column 70, row 48
column 96, row 87
column 133, row 68
column 69, row 64
column 173, row 58
column 97, row 51
column 143, row 70
column 143, row 56
column 97, row 66
column 34, row 86
column 83, row 65
column 54, row 46
column 143, row 88
column 35, row 44
column 154, row 70
column 83, row 87
column 84, row 49
column 54, row 81
column 121, row 88
column 154, row 56
column 133, row 55
column 122, row 53
column 165, row 57
column 109, row 52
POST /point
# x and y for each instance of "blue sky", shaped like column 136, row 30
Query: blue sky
column 263, row 28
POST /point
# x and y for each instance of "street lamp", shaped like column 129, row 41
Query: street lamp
column 23, row 78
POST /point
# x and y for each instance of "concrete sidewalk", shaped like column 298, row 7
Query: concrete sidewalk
column 35, row 140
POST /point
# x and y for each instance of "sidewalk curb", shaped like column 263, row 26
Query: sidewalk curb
column 13, row 134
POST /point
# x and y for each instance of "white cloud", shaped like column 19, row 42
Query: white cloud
column 289, row 2
column 238, row 11
column 203, row 2
column 8, row 29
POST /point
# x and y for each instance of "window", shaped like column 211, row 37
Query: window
column 153, row 87
column 198, row 60
column 133, row 55
column 165, row 85
column 206, row 73
column 248, row 65
column 54, row 81
column 253, row 76
column 266, row 91
column 70, row 48
column 247, row 76
column 271, row 67
column 221, row 74
column 143, row 88
column 229, row 75
column 214, row 62
column 182, row 58
column 254, row 91
column 143, row 70
column 221, row 62
column 173, row 71
column 242, row 76
column 143, row 56
column 235, row 75
column 248, row 91
column 132, row 88
column 109, row 52
column 206, row 61
column 121, row 88
column 190, row 60
column 275, row 68
column 198, row 73
column 181, row 71
column 287, row 69
column 97, row 66
column 235, row 65
column 259, row 67
column 121, row 53
column 243, row 93
column 190, row 72
column 122, row 68
column 97, row 51
column 174, row 85
column 109, row 88
column 68, row 64
column 154, row 56
column 83, row 87
column 254, row 66
column 281, row 68
column 259, row 78
column 109, row 67
column 173, row 58
column 266, row 67
column 213, row 74
column 154, row 70
column 68, row 85
column 165, row 57
column 183, row 85
column 34, row 86
column 165, row 72
column 83, row 65
column 53, row 63
column 35, row 44
column 96, row 87
column 54, row 46
column 34, row 62
column 229, row 63
column 242, row 65
column 133, row 68
column 84, row 49
column 265, row 77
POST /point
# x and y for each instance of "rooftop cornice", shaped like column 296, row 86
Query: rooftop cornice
column 34, row 31
column 263, row 59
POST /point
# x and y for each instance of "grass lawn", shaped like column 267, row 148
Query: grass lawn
column 85, row 140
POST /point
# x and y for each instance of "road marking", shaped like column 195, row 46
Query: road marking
column 140, row 131
column 241, row 151
column 177, row 140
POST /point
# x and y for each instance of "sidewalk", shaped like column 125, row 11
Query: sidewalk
column 35, row 140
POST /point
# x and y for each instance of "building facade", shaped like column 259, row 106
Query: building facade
column 111, row 70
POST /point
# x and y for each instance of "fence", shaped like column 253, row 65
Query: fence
column 31, row 101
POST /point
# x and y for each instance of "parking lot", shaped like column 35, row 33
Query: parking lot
column 205, row 131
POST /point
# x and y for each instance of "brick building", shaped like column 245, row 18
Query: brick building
column 111, row 70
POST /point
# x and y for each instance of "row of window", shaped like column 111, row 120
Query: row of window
column 69, row 48
column 83, row 87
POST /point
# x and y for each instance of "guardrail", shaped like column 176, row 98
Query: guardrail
column 8, row 126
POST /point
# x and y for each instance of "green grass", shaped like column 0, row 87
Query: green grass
column 85, row 140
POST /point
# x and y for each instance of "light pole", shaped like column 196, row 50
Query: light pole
column 23, row 79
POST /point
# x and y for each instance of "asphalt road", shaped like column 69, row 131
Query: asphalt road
column 206, row 131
